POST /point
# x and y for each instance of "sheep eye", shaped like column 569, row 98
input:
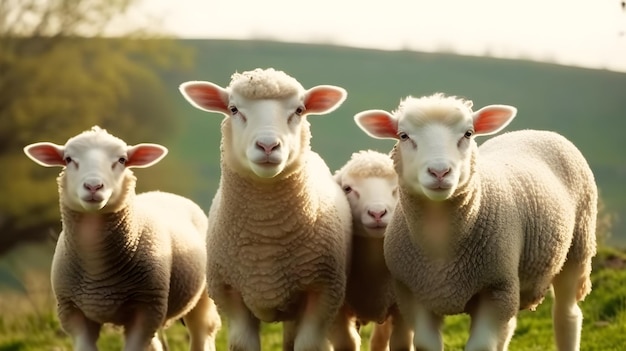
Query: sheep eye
column 233, row 110
column 468, row 134
column 122, row 160
column 299, row 111
column 403, row 136
column 347, row 189
column 68, row 160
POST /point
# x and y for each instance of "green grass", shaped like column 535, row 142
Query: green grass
column 28, row 321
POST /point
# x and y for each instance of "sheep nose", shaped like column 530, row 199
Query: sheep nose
column 439, row 173
column 268, row 147
column 93, row 185
column 377, row 215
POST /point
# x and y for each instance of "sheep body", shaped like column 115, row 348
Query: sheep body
column 279, row 225
column 370, row 183
column 487, row 235
column 131, row 260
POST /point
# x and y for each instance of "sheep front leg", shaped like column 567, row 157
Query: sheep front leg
column 203, row 323
column 566, row 314
column 243, row 326
column 401, row 333
column 379, row 341
column 141, row 332
column 315, row 321
column 83, row 331
column 343, row 334
column 426, row 325
column 493, row 321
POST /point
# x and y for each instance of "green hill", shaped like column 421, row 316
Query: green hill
column 587, row 106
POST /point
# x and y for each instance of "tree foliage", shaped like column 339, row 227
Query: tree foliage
column 60, row 75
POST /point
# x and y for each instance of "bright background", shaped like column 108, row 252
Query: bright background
column 588, row 33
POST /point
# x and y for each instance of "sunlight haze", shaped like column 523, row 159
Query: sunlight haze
column 587, row 33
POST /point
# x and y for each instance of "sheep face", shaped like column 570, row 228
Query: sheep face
column 435, row 139
column 95, row 166
column 372, row 201
column 371, row 186
column 266, row 117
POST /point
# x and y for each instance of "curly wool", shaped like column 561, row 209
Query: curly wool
column 522, row 214
column 274, row 242
column 264, row 84
column 134, row 242
column 368, row 163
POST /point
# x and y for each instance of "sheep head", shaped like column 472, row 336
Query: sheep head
column 435, row 139
column 95, row 167
column 265, row 130
column 371, row 186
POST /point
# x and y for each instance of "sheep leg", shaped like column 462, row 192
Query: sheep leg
column 141, row 332
column 84, row 332
column 243, row 326
column 566, row 315
column 493, row 322
column 289, row 335
column 343, row 334
column 379, row 341
column 203, row 322
column 314, row 323
column 427, row 325
column 401, row 333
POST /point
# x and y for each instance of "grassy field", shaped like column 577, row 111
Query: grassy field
column 587, row 106
column 28, row 321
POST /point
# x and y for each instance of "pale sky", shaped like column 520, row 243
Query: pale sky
column 589, row 33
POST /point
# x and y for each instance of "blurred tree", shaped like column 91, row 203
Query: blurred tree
column 59, row 75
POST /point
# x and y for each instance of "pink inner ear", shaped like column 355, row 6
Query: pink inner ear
column 492, row 120
column 380, row 125
column 144, row 155
column 206, row 96
column 321, row 100
column 46, row 154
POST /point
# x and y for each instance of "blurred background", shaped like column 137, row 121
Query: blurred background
column 66, row 65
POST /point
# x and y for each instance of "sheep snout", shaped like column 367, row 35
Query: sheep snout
column 93, row 185
column 439, row 173
column 268, row 146
column 377, row 213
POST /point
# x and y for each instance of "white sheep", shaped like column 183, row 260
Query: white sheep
column 279, row 225
column 485, row 230
column 370, row 182
column 137, row 261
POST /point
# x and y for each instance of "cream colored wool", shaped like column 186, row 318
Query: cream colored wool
column 278, row 244
column 139, row 262
column 522, row 217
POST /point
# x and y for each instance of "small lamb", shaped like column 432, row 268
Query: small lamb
column 279, row 225
column 137, row 261
column 485, row 230
column 371, row 185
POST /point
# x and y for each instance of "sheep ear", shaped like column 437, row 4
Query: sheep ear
column 46, row 154
column 337, row 177
column 378, row 124
column 323, row 99
column 145, row 155
column 493, row 118
column 205, row 96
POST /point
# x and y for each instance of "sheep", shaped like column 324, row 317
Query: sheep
column 485, row 230
column 279, row 225
column 133, row 260
column 370, row 183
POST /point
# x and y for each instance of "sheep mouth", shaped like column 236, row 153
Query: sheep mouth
column 439, row 187
column 376, row 225
column 93, row 199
